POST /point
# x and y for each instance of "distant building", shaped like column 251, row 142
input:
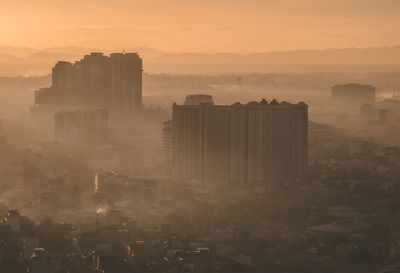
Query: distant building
column 41, row 261
column 122, row 191
column 389, row 117
column 318, row 132
column 13, row 220
column 86, row 128
column 257, row 143
column 353, row 92
column 368, row 112
column 113, row 83
column 199, row 99
column 167, row 144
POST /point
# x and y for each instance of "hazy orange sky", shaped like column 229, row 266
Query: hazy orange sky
column 201, row 25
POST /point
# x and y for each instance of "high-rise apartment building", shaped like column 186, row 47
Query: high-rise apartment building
column 256, row 143
column 112, row 83
column 196, row 99
column 81, row 128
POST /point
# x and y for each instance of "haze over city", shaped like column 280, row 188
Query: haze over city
column 199, row 136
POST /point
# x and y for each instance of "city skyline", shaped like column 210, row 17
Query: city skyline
column 223, row 136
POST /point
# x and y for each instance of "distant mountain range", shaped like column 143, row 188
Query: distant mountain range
column 31, row 61
column 23, row 52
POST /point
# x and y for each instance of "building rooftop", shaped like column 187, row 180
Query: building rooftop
column 352, row 85
column 254, row 104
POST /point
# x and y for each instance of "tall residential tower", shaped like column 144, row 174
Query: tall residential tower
column 256, row 143
column 112, row 83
